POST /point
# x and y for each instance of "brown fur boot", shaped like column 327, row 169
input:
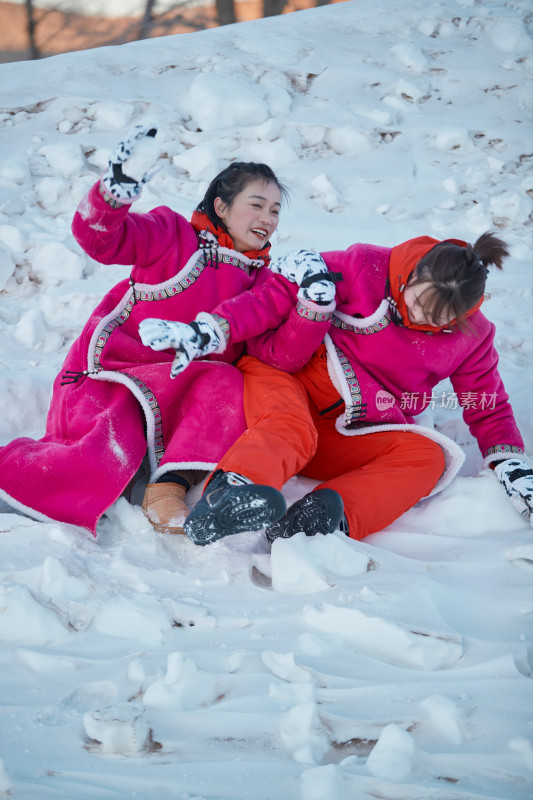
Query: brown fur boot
column 164, row 505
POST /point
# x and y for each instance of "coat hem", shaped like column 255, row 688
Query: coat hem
column 453, row 455
column 38, row 516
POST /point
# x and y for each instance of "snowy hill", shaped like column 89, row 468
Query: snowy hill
column 400, row 667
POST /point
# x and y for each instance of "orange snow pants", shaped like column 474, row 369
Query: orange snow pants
column 280, row 438
column 378, row 475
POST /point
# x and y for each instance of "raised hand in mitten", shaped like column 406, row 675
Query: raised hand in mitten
column 190, row 341
column 131, row 165
column 308, row 269
column 516, row 476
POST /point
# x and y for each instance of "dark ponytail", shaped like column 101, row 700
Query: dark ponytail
column 490, row 250
column 457, row 275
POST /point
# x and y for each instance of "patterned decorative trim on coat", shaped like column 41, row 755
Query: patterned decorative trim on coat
column 108, row 329
column 503, row 448
column 357, row 409
column 376, row 327
column 223, row 324
column 149, row 396
column 175, row 288
column 313, row 314
column 148, row 295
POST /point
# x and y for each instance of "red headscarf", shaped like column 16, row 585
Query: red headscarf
column 403, row 261
column 201, row 222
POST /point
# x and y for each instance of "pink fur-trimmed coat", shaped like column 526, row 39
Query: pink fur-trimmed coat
column 114, row 397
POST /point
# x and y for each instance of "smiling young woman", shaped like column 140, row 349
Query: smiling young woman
column 114, row 400
column 253, row 215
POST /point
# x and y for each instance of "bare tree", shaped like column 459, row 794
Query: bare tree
column 66, row 16
column 226, row 12
column 271, row 8
column 153, row 24
column 147, row 20
column 31, row 24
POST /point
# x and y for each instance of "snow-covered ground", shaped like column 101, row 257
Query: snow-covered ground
column 141, row 666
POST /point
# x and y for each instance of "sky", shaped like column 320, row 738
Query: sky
column 400, row 667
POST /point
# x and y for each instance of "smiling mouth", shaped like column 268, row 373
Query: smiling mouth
column 260, row 232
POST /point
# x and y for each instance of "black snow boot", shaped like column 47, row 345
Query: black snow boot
column 232, row 504
column 317, row 512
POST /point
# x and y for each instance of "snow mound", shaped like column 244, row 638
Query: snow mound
column 385, row 640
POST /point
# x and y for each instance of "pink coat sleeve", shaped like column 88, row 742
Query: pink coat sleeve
column 119, row 236
column 263, row 307
column 486, row 407
column 278, row 329
column 291, row 346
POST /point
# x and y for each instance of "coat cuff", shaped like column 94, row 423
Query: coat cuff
column 501, row 452
column 220, row 326
column 310, row 310
column 110, row 198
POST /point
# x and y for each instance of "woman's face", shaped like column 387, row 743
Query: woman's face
column 416, row 302
column 253, row 216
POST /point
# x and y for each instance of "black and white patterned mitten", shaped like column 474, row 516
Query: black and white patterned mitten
column 516, row 476
column 190, row 341
column 308, row 269
column 132, row 164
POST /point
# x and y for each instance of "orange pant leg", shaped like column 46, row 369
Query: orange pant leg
column 378, row 475
column 280, row 437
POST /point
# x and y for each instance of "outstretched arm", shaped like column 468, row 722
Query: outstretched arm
column 489, row 415
column 480, row 390
column 103, row 225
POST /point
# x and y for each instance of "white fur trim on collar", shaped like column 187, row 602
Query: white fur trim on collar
column 250, row 262
column 365, row 322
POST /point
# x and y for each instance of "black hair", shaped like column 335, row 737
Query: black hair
column 457, row 276
column 233, row 180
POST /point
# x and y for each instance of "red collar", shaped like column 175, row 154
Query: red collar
column 403, row 260
column 201, row 222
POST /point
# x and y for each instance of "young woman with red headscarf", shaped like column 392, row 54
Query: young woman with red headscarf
column 407, row 318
